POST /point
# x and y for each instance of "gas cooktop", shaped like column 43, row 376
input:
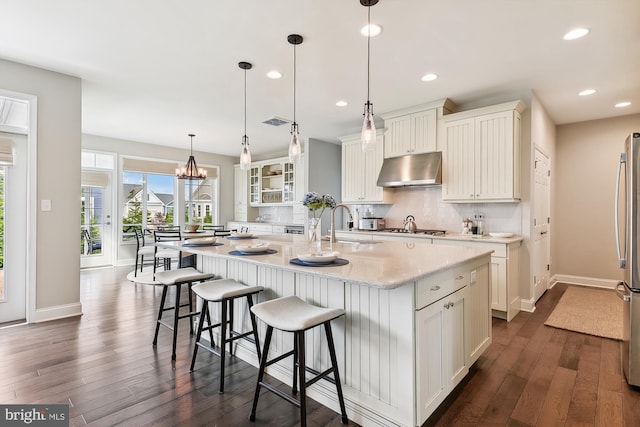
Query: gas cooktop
column 418, row 231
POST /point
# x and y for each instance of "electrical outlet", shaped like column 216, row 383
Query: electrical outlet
column 473, row 276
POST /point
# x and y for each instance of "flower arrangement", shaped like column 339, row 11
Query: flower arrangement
column 313, row 201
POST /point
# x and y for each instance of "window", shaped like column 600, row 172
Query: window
column 153, row 197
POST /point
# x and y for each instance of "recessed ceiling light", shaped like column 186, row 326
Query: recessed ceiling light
column 341, row 103
column 622, row 104
column 587, row 92
column 273, row 74
column 429, row 77
column 374, row 28
column 576, row 33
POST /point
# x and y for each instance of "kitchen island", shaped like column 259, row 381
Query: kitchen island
column 417, row 317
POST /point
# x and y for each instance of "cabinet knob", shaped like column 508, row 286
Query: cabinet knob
column 435, row 288
column 460, row 277
column 471, row 195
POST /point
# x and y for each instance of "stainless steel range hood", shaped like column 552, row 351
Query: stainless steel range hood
column 411, row 170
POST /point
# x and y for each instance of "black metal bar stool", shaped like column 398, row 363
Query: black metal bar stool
column 224, row 291
column 177, row 278
column 291, row 314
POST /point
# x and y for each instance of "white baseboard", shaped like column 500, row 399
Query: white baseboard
column 56, row 312
column 528, row 305
column 583, row 281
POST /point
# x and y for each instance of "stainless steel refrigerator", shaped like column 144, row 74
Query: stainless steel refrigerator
column 627, row 220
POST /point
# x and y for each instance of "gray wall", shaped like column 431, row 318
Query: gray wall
column 324, row 168
column 57, row 263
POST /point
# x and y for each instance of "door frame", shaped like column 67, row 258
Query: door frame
column 108, row 234
column 32, row 201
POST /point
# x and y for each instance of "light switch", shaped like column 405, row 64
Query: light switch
column 473, row 276
column 45, row 205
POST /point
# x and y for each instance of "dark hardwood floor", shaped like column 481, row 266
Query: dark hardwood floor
column 104, row 366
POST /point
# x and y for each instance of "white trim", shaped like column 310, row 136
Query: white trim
column 584, row 281
column 57, row 312
column 32, row 200
column 528, row 305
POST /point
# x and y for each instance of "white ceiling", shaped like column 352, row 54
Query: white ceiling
column 154, row 71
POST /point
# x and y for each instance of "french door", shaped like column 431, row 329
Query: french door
column 96, row 231
column 13, row 229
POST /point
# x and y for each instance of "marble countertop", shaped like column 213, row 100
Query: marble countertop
column 448, row 236
column 386, row 264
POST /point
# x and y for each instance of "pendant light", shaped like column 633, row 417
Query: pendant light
column 295, row 148
column 368, row 135
column 245, row 155
column 191, row 169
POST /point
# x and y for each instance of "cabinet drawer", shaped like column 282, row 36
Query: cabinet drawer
column 431, row 289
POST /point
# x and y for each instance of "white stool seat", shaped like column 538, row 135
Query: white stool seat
column 167, row 253
column 217, row 290
column 292, row 314
column 146, row 250
column 181, row 275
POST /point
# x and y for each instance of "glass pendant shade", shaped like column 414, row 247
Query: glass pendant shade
column 368, row 135
column 245, row 155
column 295, row 150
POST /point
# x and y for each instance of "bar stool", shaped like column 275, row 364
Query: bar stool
column 291, row 314
column 224, row 291
column 177, row 278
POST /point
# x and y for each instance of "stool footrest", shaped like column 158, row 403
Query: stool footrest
column 278, row 392
column 319, row 376
column 279, row 358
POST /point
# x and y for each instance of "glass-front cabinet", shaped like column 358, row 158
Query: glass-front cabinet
column 272, row 182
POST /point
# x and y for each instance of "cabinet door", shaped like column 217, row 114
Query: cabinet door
column 459, row 161
column 397, row 136
column 430, row 364
column 478, row 314
column 353, row 170
column 241, row 186
column 423, row 132
column 372, row 165
column 440, row 351
column 254, row 185
column 499, row 284
column 494, row 140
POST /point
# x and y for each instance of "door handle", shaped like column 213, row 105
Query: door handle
column 543, row 233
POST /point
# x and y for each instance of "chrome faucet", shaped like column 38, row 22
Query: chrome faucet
column 333, row 220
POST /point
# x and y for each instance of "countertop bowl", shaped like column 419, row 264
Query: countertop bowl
column 242, row 235
column 255, row 248
column 319, row 257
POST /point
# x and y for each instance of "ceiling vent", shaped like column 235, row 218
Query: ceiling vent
column 276, row 121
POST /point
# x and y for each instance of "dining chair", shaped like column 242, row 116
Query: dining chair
column 90, row 244
column 142, row 249
column 166, row 254
column 212, row 227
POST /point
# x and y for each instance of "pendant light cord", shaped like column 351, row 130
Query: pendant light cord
column 368, row 49
column 294, row 84
column 245, row 106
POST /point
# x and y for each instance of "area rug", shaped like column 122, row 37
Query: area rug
column 144, row 277
column 589, row 311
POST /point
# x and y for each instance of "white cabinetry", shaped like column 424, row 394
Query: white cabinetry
column 505, row 293
column 273, row 183
column 482, row 154
column 360, row 171
column 414, row 130
column 241, row 209
column 441, row 360
column 410, row 134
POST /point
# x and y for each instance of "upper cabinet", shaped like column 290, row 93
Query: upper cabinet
column 273, row 182
column 360, row 171
column 414, row 130
column 481, row 154
column 241, row 208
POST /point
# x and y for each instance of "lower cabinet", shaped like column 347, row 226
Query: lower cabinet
column 440, row 351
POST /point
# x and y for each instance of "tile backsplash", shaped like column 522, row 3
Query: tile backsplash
column 426, row 205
